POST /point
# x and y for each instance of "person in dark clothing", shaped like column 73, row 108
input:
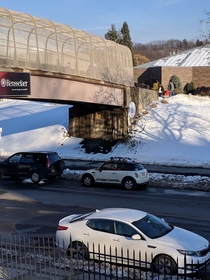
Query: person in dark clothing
column 171, row 88
column 160, row 90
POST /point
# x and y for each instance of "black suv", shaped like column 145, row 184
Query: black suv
column 34, row 165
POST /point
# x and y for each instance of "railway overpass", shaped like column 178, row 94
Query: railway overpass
column 47, row 61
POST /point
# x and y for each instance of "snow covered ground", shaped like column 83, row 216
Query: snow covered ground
column 174, row 133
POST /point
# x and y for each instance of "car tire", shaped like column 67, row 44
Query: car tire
column 87, row 180
column 60, row 165
column 128, row 183
column 1, row 173
column 35, row 177
column 78, row 251
column 164, row 264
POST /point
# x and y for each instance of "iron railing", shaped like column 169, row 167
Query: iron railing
column 28, row 258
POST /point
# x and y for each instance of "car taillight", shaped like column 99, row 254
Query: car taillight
column 62, row 227
column 47, row 162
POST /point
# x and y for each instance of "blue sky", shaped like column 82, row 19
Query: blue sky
column 148, row 20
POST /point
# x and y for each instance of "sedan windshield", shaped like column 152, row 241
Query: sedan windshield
column 152, row 226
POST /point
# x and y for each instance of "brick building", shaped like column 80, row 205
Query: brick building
column 189, row 66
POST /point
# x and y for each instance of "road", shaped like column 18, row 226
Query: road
column 30, row 209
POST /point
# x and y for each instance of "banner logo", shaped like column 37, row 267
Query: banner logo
column 14, row 83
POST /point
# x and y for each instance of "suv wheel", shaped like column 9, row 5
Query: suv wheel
column 87, row 180
column 35, row 177
column 128, row 183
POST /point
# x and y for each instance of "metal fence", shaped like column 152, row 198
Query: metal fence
column 39, row 258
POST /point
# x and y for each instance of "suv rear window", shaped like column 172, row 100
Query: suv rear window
column 134, row 166
column 53, row 157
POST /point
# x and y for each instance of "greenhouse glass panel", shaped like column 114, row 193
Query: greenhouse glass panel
column 39, row 44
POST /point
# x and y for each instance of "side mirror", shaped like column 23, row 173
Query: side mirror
column 136, row 237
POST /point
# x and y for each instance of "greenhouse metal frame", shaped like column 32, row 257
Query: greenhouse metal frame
column 33, row 43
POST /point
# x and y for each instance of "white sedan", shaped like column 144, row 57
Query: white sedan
column 118, row 234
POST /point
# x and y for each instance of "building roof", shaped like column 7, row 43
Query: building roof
column 199, row 56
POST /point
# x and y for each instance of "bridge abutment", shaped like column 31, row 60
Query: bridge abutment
column 90, row 121
column 86, row 121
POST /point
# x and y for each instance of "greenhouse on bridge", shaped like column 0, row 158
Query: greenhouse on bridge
column 32, row 43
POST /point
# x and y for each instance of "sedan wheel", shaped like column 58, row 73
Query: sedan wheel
column 165, row 265
column 79, row 251
column 35, row 177
column 128, row 184
column 87, row 180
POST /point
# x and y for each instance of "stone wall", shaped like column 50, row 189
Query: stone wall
column 90, row 121
column 141, row 97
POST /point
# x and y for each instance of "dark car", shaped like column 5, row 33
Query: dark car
column 34, row 165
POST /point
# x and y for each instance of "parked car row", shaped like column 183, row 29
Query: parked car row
column 41, row 165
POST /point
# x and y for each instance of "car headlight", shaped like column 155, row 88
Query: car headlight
column 189, row 253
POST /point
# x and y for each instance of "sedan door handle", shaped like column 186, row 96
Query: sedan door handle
column 116, row 239
column 86, row 233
